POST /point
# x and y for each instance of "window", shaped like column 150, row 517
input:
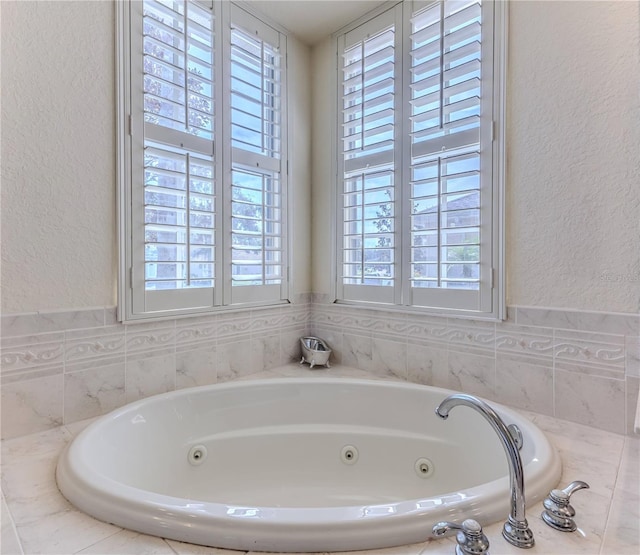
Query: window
column 420, row 156
column 202, row 154
column 257, row 99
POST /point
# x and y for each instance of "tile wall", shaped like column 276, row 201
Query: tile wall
column 61, row 367
column 578, row 366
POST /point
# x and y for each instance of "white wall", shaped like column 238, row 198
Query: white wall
column 58, row 156
column 300, row 163
column 58, row 152
column 573, row 200
column 573, row 181
column 323, row 56
column 573, row 178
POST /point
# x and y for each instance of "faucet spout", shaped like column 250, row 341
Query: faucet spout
column 516, row 529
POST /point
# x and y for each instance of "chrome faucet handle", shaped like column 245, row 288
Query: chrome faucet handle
column 471, row 540
column 558, row 513
column 516, row 434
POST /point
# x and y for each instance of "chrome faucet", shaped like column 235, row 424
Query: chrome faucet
column 470, row 537
column 516, row 529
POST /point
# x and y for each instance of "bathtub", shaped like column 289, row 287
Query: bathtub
column 298, row 464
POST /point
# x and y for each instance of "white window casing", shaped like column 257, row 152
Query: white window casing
column 420, row 158
column 181, row 102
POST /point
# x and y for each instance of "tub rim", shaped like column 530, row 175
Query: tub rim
column 102, row 496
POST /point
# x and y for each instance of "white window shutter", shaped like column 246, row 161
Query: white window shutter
column 258, row 142
column 367, row 159
column 435, row 186
column 445, row 177
column 173, row 167
column 203, row 151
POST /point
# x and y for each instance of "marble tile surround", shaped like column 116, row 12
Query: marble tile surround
column 579, row 366
column 37, row 519
column 62, row 367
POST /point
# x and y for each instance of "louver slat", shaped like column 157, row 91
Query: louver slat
column 179, row 196
column 445, row 143
column 179, row 219
column 368, row 129
column 257, row 212
column 256, row 65
column 420, row 142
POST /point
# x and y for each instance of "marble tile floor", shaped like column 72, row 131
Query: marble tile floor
column 37, row 519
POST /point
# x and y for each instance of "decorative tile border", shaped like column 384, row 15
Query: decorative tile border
column 61, row 367
column 531, row 360
column 22, row 354
column 632, row 359
column 535, row 342
column 589, row 353
column 94, row 343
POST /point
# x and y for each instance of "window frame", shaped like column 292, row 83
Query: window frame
column 492, row 303
column 129, row 152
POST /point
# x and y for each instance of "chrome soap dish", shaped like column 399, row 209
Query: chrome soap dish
column 315, row 352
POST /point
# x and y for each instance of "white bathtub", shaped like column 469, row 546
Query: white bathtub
column 298, row 465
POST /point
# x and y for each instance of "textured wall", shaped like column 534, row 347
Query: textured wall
column 321, row 175
column 58, row 156
column 300, row 164
column 573, row 187
column 58, row 149
column 573, row 224
column 573, row 176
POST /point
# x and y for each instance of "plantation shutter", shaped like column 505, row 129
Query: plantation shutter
column 174, row 266
column 367, row 159
column 446, row 164
column 257, row 96
column 416, row 157
column 202, row 157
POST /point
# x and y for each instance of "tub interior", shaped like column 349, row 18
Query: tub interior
column 272, row 446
